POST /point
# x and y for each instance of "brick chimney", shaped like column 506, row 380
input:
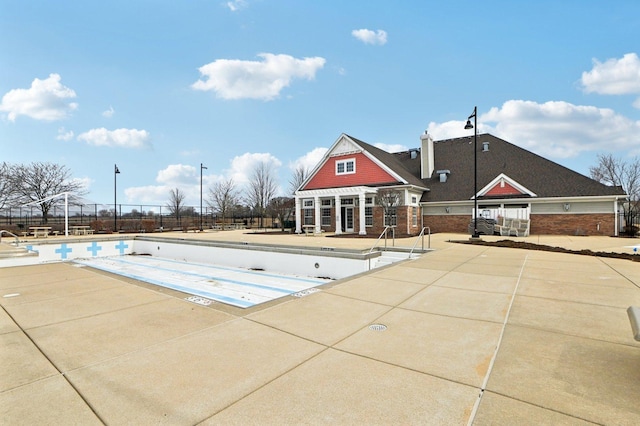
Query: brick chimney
column 426, row 154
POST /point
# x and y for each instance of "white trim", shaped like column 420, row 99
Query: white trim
column 507, row 179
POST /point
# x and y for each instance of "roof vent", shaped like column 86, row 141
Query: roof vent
column 443, row 175
column 485, row 146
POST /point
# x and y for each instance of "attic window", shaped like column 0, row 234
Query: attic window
column 346, row 167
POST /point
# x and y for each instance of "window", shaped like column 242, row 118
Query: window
column 346, row 201
column 414, row 199
column 414, row 216
column 307, row 209
column 346, row 167
column 326, row 216
column 326, row 203
column 390, row 217
column 368, row 216
column 308, row 216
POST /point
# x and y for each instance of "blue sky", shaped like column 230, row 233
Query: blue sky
column 159, row 87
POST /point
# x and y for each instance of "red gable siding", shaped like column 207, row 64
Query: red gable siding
column 367, row 173
column 503, row 190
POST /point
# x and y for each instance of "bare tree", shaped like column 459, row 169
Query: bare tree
column 619, row 172
column 40, row 181
column 298, row 177
column 223, row 198
column 176, row 203
column 7, row 190
column 389, row 199
column 262, row 188
column 281, row 208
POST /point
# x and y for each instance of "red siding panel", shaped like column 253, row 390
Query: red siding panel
column 367, row 173
column 503, row 190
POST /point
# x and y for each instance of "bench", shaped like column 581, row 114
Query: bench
column 516, row 227
column 634, row 318
column 309, row 229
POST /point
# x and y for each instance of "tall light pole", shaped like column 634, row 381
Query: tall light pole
column 474, row 126
column 201, row 168
column 116, row 172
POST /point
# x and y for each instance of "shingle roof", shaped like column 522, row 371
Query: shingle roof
column 401, row 163
column 541, row 176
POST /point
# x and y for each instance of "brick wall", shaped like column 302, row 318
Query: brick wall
column 541, row 224
column 447, row 223
column 573, row 224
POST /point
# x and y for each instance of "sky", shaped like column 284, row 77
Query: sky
column 161, row 87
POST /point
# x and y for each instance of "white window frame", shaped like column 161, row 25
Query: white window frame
column 345, row 166
column 325, row 216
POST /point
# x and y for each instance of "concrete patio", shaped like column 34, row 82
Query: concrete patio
column 479, row 335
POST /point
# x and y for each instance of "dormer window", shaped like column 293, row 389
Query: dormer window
column 346, row 167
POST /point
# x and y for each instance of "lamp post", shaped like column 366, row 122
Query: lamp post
column 116, row 172
column 474, row 126
column 201, row 168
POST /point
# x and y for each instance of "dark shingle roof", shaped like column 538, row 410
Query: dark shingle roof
column 400, row 163
column 541, row 176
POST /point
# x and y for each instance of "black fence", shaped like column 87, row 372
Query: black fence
column 629, row 223
column 128, row 218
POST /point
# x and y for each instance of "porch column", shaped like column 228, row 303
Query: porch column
column 338, row 216
column 298, row 217
column 361, row 207
column 316, row 205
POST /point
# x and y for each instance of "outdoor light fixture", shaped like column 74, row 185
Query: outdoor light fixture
column 201, row 168
column 474, row 126
column 116, row 172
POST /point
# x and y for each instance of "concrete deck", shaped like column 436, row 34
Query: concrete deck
column 474, row 334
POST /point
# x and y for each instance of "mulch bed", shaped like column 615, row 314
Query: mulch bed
column 532, row 246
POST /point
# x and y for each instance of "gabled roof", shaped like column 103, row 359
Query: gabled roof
column 400, row 163
column 540, row 176
column 390, row 164
column 528, row 174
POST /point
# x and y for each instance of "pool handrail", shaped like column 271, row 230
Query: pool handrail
column 4, row 231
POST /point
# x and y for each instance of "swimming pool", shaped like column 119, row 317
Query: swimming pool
column 239, row 287
column 236, row 273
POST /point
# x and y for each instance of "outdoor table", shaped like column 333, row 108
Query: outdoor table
column 42, row 231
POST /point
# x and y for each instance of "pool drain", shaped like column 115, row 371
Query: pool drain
column 377, row 327
column 306, row 292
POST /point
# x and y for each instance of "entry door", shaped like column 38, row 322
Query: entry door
column 348, row 219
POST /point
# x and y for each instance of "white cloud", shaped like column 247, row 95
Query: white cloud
column 237, row 79
column 85, row 182
column 236, row 5
column 108, row 113
column 370, row 37
column 63, row 135
column 126, row 138
column 310, row 160
column 178, row 174
column 46, row 100
column 242, row 166
column 614, row 76
column 391, row 147
column 182, row 176
column 552, row 129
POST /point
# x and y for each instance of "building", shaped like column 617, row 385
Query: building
column 358, row 188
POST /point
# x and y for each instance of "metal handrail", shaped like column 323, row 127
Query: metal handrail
column 386, row 228
column 4, row 231
column 421, row 234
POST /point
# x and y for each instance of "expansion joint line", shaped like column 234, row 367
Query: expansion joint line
column 483, row 387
